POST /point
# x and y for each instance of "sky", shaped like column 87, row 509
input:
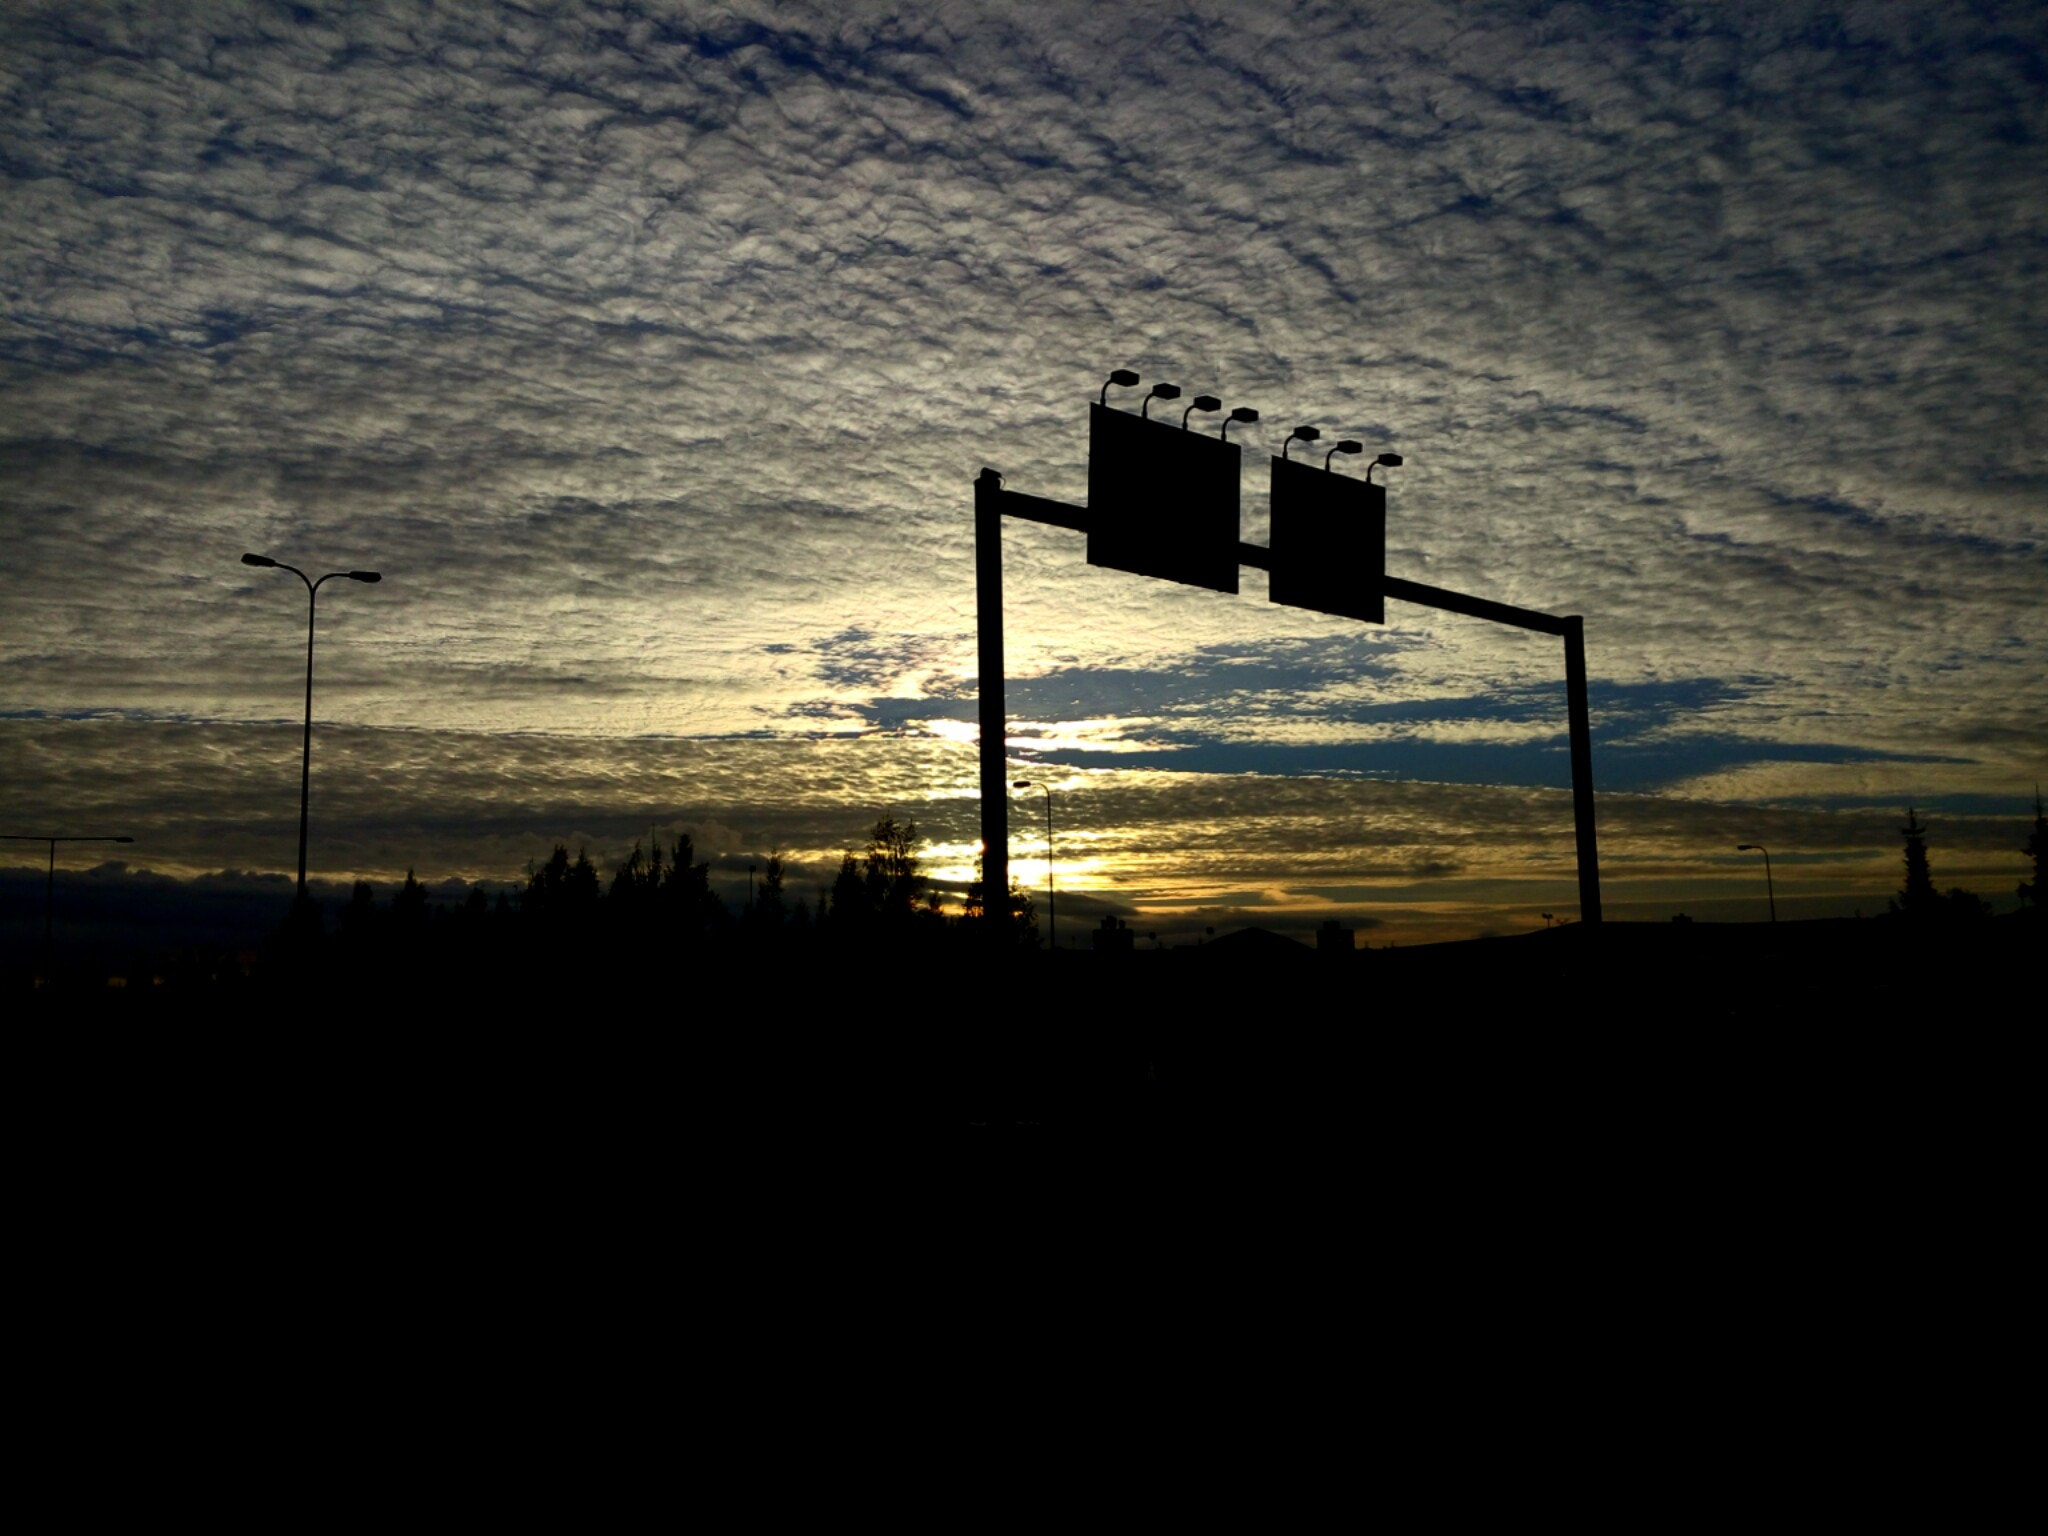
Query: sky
column 651, row 352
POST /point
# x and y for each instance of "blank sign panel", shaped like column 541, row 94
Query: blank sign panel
column 1162, row 501
column 1329, row 542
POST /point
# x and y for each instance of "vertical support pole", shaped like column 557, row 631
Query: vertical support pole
column 49, row 911
column 995, row 780
column 1582, row 767
column 306, row 755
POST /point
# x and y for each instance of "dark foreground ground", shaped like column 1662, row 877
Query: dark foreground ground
column 1259, row 1034
column 1482, row 1185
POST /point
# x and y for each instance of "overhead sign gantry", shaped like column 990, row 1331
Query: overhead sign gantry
column 1163, row 502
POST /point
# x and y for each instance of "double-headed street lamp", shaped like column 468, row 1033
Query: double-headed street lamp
column 1052, row 919
column 306, row 758
column 1770, row 887
column 50, row 879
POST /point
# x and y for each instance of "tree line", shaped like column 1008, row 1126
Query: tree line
column 658, row 904
column 1920, row 900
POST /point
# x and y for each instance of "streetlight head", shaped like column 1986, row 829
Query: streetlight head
column 1123, row 377
column 262, row 560
column 365, row 576
column 1748, row 847
column 1245, row 414
column 1022, row 783
column 1159, row 392
column 1207, row 403
column 1306, row 434
column 124, row 839
column 1390, row 460
column 1347, row 446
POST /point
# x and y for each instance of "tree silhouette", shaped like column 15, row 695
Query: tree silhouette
column 1023, row 917
column 1919, row 898
column 769, row 907
column 878, row 889
column 637, row 882
column 559, row 891
column 891, row 870
column 409, row 907
column 846, row 905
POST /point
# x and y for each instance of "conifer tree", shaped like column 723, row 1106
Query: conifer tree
column 1919, row 898
column 561, row 891
column 409, row 906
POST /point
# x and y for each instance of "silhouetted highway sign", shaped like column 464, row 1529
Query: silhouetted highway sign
column 1329, row 542
column 1162, row 501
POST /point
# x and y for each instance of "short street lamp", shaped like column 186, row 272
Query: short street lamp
column 306, row 757
column 1052, row 919
column 1770, row 888
column 50, row 878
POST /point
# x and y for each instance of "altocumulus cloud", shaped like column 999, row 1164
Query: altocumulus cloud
column 651, row 352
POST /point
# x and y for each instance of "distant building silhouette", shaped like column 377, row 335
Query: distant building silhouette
column 1113, row 937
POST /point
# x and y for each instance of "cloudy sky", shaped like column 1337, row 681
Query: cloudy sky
column 651, row 351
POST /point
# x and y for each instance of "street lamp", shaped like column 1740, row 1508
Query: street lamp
column 50, row 878
column 1243, row 413
column 1123, row 378
column 306, row 757
column 1159, row 392
column 1347, row 446
column 1386, row 460
column 1770, row 887
column 1201, row 403
column 1052, row 919
column 1306, row 434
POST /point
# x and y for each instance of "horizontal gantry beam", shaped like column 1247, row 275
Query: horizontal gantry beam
column 1062, row 514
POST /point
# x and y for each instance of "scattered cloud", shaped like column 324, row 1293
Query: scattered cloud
column 652, row 357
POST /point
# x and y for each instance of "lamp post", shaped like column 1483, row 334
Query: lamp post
column 1052, row 917
column 1770, row 888
column 50, row 877
column 306, row 756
